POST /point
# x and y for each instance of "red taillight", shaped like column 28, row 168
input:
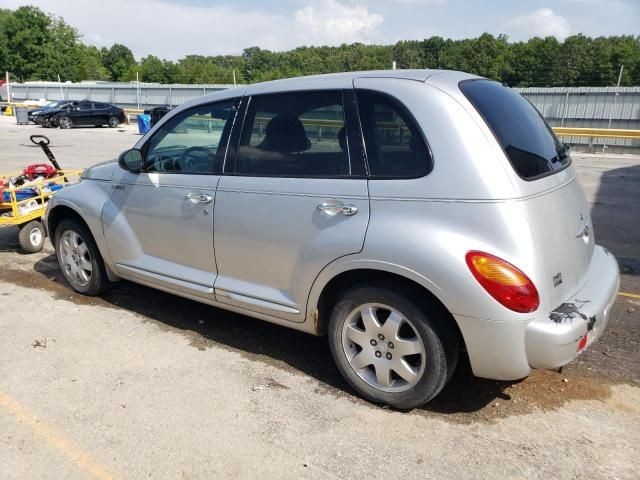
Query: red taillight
column 504, row 282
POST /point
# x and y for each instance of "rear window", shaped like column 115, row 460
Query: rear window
column 528, row 141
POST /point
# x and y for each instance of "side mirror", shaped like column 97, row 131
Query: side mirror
column 131, row 160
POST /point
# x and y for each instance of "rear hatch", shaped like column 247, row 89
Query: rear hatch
column 554, row 203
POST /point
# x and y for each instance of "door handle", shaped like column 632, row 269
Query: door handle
column 332, row 209
column 199, row 198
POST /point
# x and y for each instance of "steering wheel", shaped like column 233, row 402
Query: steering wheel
column 197, row 159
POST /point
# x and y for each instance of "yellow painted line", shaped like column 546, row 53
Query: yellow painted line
column 629, row 295
column 55, row 439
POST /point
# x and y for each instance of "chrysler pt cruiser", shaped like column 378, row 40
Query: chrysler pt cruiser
column 406, row 215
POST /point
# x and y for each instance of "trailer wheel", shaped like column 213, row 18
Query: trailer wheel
column 31, row 236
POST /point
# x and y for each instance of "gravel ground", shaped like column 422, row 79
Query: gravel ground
column 143, row 384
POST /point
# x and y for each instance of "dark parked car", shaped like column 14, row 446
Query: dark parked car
column 86, row 113
column 79, row 113
column 42, row 115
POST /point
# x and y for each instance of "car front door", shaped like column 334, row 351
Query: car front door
column 294, row 200
column 158, row 223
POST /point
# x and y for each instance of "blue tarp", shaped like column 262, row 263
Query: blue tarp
column 25, row 193
column 144, row 123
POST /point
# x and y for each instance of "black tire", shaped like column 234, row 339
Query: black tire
column 31, row 236
column 98, row 281
column 113, row 122
column 65, row 122
column 429, row 323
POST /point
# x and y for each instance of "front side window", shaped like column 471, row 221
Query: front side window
column 394, row 144
column 528, row 141
column 298, row 134
column 193, row 141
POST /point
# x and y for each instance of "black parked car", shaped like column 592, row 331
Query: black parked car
column 82, row 113
column 42, row 115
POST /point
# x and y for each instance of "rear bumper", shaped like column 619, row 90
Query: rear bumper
column 508, row 350
column 553, row 341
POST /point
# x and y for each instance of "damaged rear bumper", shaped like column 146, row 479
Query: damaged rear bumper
column 553, row 341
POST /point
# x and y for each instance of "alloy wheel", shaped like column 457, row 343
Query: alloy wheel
column 75, row 258
column 383, row 347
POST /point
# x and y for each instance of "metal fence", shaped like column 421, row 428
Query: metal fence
column 125, row 95
column 596, row 107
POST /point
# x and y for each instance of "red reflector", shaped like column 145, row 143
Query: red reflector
column 582, row 343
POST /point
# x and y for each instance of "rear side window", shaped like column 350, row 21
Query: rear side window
column 394, row 144
column 526, row 138
column 298, row 134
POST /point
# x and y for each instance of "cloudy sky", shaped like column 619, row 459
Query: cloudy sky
column 173, row 28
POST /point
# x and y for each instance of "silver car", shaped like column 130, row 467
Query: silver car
column 406, row 215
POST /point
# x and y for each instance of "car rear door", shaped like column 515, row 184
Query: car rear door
column 100, row 114
column 293, row 199
column 81, row 115
column 158, row 223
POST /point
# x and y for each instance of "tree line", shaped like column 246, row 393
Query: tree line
column 35, row 45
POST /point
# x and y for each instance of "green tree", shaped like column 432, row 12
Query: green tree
column 89, row 64
column 5, row 15
column 60, row 52
column 152, row 69
column 118, row 61
column 27, row 32
column 486, row 55
column 625, row 50
column 432, row 51
column 408, row 54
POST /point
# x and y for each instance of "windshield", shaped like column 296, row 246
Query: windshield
column 526, row 138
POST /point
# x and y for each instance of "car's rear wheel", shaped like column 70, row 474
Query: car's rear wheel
column 113, row 122
column 65, row 122
column 393, row 349
column 80, row 259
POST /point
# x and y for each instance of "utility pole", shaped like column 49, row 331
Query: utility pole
column 6, row 74
column 138, row 89
column 234, row 77
column 393, row 65
column 60, row 85
column 615, row 99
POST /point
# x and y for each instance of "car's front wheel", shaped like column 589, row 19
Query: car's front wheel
column 113, row 122
column 392, row 348
column 80, row 259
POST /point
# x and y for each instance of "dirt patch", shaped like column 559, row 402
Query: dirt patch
column 468, row 399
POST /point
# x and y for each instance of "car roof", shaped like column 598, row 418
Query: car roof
column 447, row 79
